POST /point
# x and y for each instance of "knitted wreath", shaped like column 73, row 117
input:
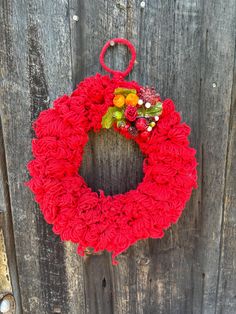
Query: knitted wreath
column 113, row 223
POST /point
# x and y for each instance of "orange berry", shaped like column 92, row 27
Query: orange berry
column 119, row 101
column 131, row 100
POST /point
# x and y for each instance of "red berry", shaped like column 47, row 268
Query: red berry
column 145, row 134
column 141, row 124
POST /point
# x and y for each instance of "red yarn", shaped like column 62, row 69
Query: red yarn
column 87, row 218
column 132, row 60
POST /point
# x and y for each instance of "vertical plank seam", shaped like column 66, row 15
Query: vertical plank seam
column 84, row 290
column 70, row 33
column 230, row 123
column 202, row 55
column 73, row 78
column 168, row 88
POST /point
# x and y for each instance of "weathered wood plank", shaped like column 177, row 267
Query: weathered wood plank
column 36, row 68
column 9, row 275
column 227, row 269
column 217, row 53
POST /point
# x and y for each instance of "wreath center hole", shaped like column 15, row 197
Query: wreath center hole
column 111, row 163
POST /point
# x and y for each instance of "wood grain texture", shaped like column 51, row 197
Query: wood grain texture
column 7, row 249
column 36, row 69
column 225, row 301
column 186, row 50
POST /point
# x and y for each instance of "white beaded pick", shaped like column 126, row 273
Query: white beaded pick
column 147, row 105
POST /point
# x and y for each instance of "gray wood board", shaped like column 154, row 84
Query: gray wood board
column 186, row 49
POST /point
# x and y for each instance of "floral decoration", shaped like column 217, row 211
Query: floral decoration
column 134, row 112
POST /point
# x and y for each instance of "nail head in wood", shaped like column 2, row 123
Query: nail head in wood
column 5, row 306
column 75, row 18
column 142, row 4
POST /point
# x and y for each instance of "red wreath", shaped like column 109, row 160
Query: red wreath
column 93, row 220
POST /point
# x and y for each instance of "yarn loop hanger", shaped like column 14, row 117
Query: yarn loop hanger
column 118, row 74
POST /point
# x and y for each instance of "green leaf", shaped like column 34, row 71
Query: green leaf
column 155, row 110
column 158, row 105
column 118, row 114
column 141, row 112
column 124, row 91
column 108, row 119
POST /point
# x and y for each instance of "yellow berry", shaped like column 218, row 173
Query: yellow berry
column 131, row 100
column 119, row 101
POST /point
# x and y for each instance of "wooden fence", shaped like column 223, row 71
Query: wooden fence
column 186, row 49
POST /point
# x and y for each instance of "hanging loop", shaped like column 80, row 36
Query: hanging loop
column 111, row 42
